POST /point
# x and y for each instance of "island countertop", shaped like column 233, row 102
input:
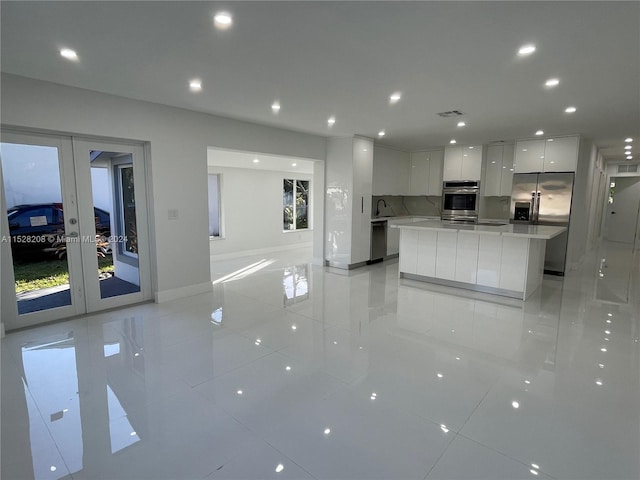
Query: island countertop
column 545, row 232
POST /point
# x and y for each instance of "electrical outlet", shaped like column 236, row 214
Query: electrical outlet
column 173, row 214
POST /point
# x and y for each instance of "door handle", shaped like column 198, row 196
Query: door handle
column 72, row 234
column 613, row 213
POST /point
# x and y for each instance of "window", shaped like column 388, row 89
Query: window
column 214, row 205
column 295, row 199
column 127, row 213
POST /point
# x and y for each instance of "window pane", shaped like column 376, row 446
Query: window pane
column 287, row 200
column 302, row 202
column 214, row 206
column 129, row 210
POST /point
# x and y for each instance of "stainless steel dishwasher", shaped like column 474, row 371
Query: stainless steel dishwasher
column 378, row 240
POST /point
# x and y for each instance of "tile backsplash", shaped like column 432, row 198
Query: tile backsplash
column 397, row 205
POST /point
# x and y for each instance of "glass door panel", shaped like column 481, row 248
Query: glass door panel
column 117, row 264
column 42, row 235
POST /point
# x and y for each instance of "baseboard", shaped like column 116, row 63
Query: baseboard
column 189, row 291
column 259, row 251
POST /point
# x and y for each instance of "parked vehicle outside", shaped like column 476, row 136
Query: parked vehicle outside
column 35, row 228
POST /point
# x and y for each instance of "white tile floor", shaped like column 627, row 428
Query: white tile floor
column 289, row 370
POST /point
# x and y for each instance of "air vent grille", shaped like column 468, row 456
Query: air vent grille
column 451, row 113
column 633, row 168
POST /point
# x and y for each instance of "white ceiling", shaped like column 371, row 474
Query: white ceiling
column 345, row 58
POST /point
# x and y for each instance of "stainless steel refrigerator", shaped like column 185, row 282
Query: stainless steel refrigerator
column 545, row 199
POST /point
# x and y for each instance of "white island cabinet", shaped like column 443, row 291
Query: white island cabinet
column 502, row 259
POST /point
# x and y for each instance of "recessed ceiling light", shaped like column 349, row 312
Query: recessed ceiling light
column 570, row 109
column 452, row 141
column 381, row 133
column 275, row 107
column 627, row 147
column 195, row 85
column 395, row 97
column 540, row 132
column 552, row 82
column 279, row 468
column 527, row 49
column 222, row 20
column 331, row 121
column 69, row 54
column 629, row 157
column 294, row 164
column 461, row 124
column 628, row 140
column 255, row 160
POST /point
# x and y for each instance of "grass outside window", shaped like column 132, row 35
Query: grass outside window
column 50, row 273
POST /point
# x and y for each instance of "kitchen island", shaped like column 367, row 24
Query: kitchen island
column 499, row 259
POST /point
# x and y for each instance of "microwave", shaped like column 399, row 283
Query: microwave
column 460, row 200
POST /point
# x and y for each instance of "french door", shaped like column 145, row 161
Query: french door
column 73, row 227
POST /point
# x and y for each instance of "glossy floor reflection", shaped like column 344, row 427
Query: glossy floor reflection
column 289, row 370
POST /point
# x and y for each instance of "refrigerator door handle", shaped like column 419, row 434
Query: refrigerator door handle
column 537, row 207
column 532, row 210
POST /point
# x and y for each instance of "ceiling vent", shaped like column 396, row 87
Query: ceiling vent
column 451, row 113
column 628, row 168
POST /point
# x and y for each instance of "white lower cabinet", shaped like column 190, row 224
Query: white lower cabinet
column 427, row 245
column 446, row 255
column 466, row 257
column 489, row 254
column 513, row 263
column 409, row 256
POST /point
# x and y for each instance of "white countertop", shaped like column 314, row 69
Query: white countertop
column 511, row 230
column 406, row 217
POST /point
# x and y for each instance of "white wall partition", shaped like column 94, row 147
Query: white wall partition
column 177, row 142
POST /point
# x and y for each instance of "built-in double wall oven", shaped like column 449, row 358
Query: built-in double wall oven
column 460, row 200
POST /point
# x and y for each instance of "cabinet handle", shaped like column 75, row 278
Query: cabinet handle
column 361, row 204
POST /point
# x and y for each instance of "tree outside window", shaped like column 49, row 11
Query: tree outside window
column 295, row 196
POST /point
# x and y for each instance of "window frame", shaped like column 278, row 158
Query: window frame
column 295, row 181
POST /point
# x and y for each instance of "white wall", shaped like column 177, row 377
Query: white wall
column 582, row 191
column 177, row 146
column 391, row 171
column 252, row 211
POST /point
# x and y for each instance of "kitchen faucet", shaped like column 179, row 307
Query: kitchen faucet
column 378, row 206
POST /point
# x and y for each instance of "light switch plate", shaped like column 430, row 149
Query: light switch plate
column 173, row 214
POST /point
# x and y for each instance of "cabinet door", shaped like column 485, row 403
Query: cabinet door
column 529, row 156
column 436, row 163
column 471, row 163
column 493, row 171
column 561, row 154
column 506, row 180
column 419, row 181
column 452, row 163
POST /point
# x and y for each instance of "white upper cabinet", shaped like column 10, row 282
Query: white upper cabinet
column 561, row 154
column 426, row 173
column 547, row 155
column 436, row 163
column 529, row 156
column 463, row 163
column 506, row 181
column 391, row 171
column 498, row 177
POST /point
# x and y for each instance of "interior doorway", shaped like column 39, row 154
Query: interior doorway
column 74, row 227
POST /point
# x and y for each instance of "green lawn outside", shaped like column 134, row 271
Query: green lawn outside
column 49, row 273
